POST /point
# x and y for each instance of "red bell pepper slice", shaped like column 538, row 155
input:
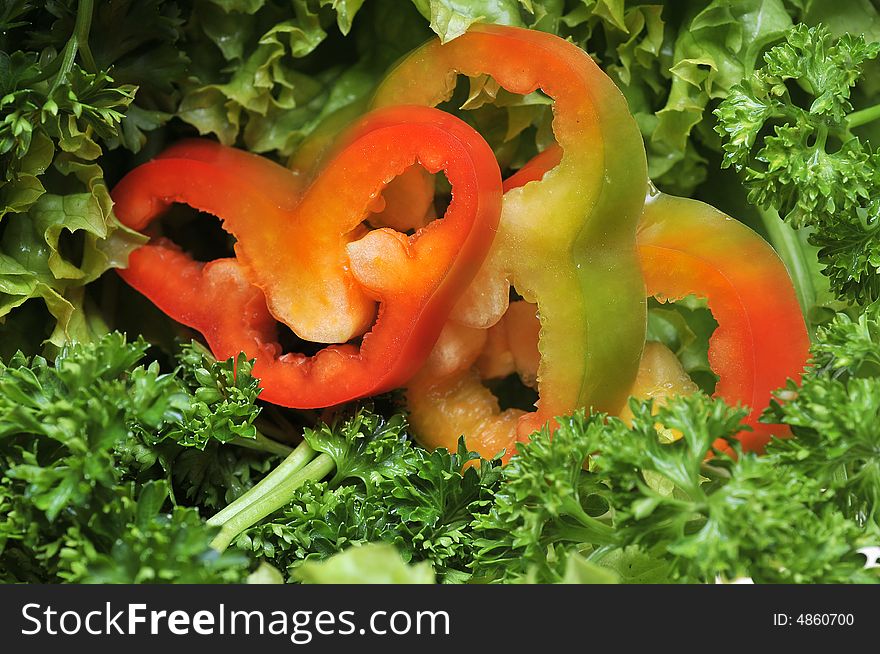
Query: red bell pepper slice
column 685, row 247
column 317, row 240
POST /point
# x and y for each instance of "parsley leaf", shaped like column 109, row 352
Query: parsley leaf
column 90, row 446
column 834, row 415
column 788, row 129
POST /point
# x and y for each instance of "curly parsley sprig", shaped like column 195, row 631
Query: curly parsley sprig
column 788, row 129
column 98, row 452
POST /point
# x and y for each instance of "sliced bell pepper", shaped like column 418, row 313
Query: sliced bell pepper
column 661, row 375
column 688, row 247
column 262, row 205
column 534, row 169
column 761, row 340
column 406, row 202
column 416, row 279
column 566, row 243
column 447, row 398
column 685, row 247
column 512, row 346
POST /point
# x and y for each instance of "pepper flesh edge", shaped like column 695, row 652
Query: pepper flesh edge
column 581, row 267
column 440, row 260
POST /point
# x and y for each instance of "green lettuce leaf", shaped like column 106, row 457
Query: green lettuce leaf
column 61, row 244
column 452, row 18
column 712, row 51
column 254, row 77
column 67, row 79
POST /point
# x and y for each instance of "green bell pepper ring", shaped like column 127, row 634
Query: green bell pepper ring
column 568, row 241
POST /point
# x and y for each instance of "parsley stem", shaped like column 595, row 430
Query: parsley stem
column 78, row 42
column 863, row 116
column 81, row 30
column 798, row 256
column 277, row 497
column 67, row 59
column 587, row 528
column 588, row 531
column 294, row 461
column 263, row 444
column 272, row 431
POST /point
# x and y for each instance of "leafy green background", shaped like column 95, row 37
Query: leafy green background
column 112, row 452
column 81, row 106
